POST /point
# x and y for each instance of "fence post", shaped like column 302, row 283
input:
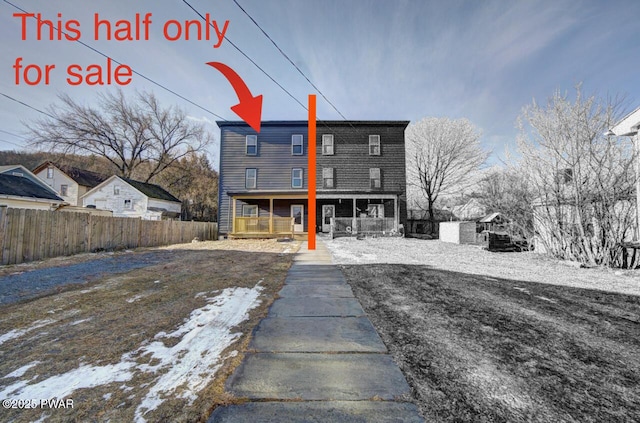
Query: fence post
column 3, row 231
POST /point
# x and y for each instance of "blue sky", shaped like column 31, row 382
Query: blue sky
column 374, row 59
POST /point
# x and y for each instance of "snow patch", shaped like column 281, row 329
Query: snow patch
column 17, row 333
column 22, row 370
column 77, row 322
column 136, row 298
column 525, row 290
column 193, row 362
column 188, row 366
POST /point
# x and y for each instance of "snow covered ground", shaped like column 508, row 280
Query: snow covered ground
column 183, row 369
column 472, row 259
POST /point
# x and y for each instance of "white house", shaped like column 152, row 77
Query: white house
column 21, row 189
column 69, row 182
column 129, row 198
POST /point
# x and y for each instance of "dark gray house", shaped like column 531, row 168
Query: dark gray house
column 360, row 178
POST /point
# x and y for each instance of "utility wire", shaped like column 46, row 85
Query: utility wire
column 132, row 70
column 26, row 105
column 289, row 60
column 248, row 58
column 11, row 142
column 11, row 133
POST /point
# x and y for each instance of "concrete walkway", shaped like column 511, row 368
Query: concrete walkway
column 316, row 357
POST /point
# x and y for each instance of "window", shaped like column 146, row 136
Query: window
column 297, row 146
column 250, row 178
column 249, row 210
column 327, row 177
column 374, row 145
column 49, row 173
column 127, row 204
column 327, row 144
column 296, row 178
column 116, row 190
column 252, row 145
column 374, row 177
column 64, row 189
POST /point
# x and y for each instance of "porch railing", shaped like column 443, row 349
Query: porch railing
column 261, row 225
column 350, row 225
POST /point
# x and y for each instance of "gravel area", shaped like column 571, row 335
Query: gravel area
column 32, row 283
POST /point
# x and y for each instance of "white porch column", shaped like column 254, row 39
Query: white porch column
column 354, row 220
column 396, row 212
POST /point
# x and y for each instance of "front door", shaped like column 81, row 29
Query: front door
column 328, row 213
column 297, row 212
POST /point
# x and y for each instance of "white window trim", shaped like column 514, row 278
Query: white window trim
column 116, row 190
column 374, row 141
column 130, row 207
column 328, row 137
column 49, row 173
column 254, row 142
column 293, row 178
column 254, row 178
column 300, row 143
column 328, row 173
column 64, row 190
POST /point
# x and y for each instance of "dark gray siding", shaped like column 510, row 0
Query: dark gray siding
column 351, row 160
column 274, row 162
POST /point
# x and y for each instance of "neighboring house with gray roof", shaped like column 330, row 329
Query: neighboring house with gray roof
column 71, row 183
column 130, row 198
column 21, row 189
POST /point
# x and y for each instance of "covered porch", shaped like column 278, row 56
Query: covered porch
column 268, row 216
column 353, row 214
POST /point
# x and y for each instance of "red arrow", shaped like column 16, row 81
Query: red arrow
column 250, row 108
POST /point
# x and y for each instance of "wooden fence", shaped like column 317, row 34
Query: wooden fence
column 27, row 235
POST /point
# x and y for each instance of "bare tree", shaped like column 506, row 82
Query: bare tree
column 509, row 192
column 583, row 180
column 134, row 135
column 442, row 156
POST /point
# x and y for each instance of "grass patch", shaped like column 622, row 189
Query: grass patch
column 99, row 322
column 482, row 349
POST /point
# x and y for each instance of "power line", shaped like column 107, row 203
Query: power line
column 11, row 133
column 289, row 60
column 248, row 58
column 132, row 70
column 11, row 142
column 27, row 105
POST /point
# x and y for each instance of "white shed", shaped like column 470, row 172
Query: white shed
column 458, row 232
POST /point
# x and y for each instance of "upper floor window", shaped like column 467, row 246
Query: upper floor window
column 252, row 145
column 297, row 145
column 64, row 190
column 327, row 177
column 116, row 190
column 327, row 144
column 49, row 173
column 127, row 204
column 374, row 145
column 250, row 178
column 374, row 178
column 296, row 178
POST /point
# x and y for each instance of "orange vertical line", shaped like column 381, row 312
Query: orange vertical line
column 311, row 202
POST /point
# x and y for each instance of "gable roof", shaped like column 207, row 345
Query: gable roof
column 628, row 125
column 150, row 190
column 82, row 177
column 21, row 171
column 19, row 186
